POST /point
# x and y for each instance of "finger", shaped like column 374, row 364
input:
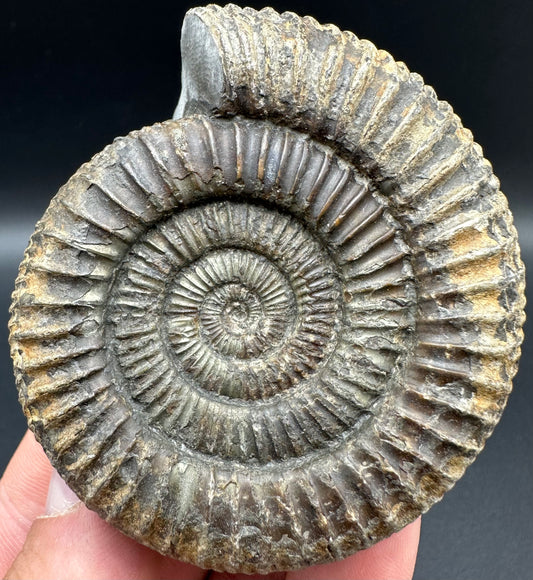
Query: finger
column 393, row 557
column 227, row 576
column 77, row 544
column 23, row 490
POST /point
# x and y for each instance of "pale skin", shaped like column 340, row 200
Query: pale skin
column 76, row 544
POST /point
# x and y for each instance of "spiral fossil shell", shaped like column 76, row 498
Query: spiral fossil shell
column 276, row 329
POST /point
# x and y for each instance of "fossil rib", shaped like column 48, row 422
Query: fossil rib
column 272, row 331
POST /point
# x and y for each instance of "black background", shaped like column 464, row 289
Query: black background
column 74, row 75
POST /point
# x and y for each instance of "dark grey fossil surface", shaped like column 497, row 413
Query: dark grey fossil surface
column 507, row 458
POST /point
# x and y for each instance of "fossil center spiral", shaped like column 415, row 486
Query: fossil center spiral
column 244, row 306
column 251, row 306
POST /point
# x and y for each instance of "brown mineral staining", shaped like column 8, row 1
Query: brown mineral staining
column 456, row 466
column 470, row 240
column 476, row 270
column 487, row 400
column 275, row 330
column 487, row 302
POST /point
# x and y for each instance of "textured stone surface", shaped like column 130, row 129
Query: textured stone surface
column 275, row 330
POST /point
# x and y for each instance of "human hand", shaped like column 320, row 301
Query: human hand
column 47, row 533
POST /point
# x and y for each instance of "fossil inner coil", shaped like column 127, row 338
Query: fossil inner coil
column 237, row 312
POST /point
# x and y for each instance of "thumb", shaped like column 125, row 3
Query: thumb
column 69, row 542
column 61, row 499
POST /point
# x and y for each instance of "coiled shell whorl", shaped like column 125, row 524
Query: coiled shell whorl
column 272, row 331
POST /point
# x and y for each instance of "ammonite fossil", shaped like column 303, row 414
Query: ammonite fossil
column 272, row 331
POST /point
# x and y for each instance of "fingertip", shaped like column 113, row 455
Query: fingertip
column 24, row 484
column 23, row 491
column 61, row 499
column 79, row 545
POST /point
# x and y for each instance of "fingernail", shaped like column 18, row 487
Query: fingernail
column 61, row 499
